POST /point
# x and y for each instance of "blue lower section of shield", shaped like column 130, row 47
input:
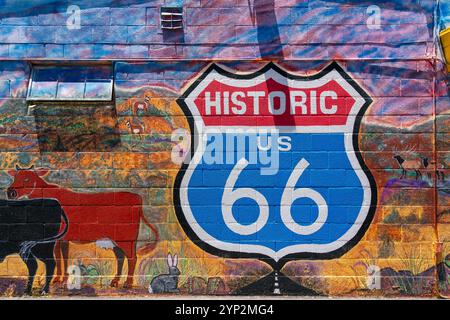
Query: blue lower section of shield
column 330, row 173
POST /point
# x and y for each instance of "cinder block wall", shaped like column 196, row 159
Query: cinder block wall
column 83, row 149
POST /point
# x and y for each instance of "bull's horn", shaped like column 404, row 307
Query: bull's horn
column 18, row 168
column 31, row 167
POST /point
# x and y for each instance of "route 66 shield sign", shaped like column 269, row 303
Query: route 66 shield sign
column 275, row 170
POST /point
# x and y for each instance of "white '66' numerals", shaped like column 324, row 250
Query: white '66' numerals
column 290, row 194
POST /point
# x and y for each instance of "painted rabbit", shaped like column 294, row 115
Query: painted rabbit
column 167, row 283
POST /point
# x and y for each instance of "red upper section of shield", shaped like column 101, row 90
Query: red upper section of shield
column 271, row 103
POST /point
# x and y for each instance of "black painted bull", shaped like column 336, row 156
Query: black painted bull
column 31, row 229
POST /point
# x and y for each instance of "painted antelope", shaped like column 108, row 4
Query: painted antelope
column 141, row 105
column 409, row 165
column 135, row 128
column 431, row 166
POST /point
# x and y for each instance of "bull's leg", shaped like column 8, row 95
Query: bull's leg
column 59, row 262
column 44, row 252
column 131, row 267
column 50, row 265
column 120, row 256
column 32, row 267
column 130, row 252
column 65, row 259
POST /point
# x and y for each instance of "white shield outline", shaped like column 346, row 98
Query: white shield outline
column 351, row 131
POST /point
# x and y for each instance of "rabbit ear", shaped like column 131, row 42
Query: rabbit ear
column 175, row 261
column 169, row 260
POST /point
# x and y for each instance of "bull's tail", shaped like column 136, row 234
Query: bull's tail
column 26, row 246
column 152, row 244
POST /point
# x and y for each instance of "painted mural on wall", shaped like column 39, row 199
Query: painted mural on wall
column 122, row 209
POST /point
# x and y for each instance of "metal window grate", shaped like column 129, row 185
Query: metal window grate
column 171, row 18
